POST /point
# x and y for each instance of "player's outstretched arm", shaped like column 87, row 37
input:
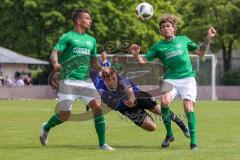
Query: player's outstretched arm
column 204, row 47
column 131, row 102
column 135, row 50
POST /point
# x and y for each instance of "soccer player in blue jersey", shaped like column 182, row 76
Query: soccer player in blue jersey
column 124, row 96
column 104, row 61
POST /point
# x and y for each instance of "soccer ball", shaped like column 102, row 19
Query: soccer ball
column 144, row 11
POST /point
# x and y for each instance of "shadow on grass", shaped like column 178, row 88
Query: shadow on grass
column 94, row 147
column 65, row 146
column 150, row 147
column 136, row 147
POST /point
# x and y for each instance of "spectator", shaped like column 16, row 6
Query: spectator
column 28, row 79
column 18, row 80
column 8, row 81
column 1, row 81
column 117, row 65
column 104, row 61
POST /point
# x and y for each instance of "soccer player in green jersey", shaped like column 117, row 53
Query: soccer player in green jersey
column 173, row 52
column 73, row 55
column 117, row 65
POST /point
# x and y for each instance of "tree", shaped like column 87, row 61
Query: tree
column 32, row 27
column 27, row 25
column 222, row 14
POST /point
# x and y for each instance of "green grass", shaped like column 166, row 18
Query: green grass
column 218, row 135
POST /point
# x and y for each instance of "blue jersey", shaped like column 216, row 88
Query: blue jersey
column 107, row 64
column 114, row 99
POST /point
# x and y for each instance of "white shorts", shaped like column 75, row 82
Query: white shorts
column 75, row 89
column 185, row 88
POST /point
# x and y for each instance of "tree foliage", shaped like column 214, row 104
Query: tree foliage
column 32, row 27
column 199, row 15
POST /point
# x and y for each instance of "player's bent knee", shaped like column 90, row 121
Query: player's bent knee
column 188, row 105
column 166, row 100
column 188, row 108
column 153, row 128
column 96, row 107
column 94, row 104
column 64, row 115
column 149, row 126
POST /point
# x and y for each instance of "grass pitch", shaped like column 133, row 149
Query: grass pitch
column 218, row 131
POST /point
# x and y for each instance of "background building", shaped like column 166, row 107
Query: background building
column 12, row 62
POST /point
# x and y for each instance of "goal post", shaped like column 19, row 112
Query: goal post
column 206, row 72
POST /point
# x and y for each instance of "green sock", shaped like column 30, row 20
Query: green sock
column 52, row 122
column 192, row 125
column 100, row 129
column 166, row 116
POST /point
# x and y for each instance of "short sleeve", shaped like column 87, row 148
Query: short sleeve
column 150, row 54
column 94, row 50
column 109, row 64
column 124, row 83
column 190, row 44
column 62, row 43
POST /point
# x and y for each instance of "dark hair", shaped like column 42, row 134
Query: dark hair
column 17, row 74
column 77, row 13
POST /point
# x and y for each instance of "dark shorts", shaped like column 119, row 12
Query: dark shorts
column 137, row 114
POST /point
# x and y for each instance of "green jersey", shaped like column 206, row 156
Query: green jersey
column 174, row 56
column 118, row 67
column 76, row 50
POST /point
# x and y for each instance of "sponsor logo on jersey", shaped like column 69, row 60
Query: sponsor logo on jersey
column 174, row 53
column 83, row 51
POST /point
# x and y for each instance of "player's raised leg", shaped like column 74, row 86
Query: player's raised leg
column 180, row 123
column 46, row 126
column 56, row 119
column 157, row 110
